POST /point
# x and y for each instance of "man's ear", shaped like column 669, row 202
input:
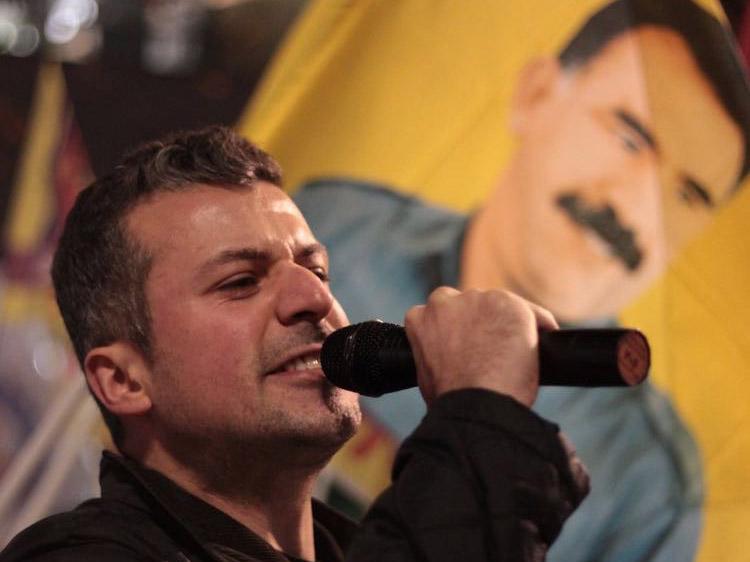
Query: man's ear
column 536, row 83
column 120, row 377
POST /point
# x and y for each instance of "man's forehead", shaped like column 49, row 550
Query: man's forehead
column 215, row 213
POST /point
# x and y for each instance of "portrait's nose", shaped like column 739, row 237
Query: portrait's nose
column 630, row 191
column 303, row 296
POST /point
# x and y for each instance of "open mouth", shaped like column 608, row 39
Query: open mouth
column 307, row 362
column 603, row 222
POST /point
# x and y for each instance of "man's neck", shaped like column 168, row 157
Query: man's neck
column 271, row 499
column 277, row 508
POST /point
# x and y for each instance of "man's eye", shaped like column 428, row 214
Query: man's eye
column 242, row 282
column 321, row 273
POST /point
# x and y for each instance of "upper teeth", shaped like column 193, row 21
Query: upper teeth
column 311, row 361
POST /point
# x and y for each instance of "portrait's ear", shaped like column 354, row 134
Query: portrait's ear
column 119, row 376
column 536, row 83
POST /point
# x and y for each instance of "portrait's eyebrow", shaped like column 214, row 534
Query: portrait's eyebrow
column 233, row 255
column 635, row 125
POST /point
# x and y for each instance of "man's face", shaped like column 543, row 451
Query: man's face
column 239, row 305
column 620, row 162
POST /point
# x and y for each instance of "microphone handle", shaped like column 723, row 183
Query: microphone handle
column 569, row 357
column 593, row 357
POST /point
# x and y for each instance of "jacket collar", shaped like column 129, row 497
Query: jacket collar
column 207, row 527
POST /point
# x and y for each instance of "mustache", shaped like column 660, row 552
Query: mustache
column 304, row 334
column 603, row 221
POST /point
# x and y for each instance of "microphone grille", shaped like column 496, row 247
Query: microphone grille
column 350, row 356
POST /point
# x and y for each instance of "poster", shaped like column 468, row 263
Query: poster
column 589, row 156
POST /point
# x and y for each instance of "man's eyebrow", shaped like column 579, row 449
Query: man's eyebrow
column 253, row 255
column 311, row 250
column 233, row 255
column 635, row 125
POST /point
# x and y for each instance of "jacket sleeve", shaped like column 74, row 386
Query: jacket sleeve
column 481, row 478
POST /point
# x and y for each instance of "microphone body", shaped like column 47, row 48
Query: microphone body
column 374, row 358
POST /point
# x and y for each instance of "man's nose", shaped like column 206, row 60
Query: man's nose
column 303, row 296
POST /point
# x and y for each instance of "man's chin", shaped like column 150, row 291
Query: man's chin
column 315, row 445
column 334, row 425
column 344, row 405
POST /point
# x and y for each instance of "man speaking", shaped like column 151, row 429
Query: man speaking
column 197, row 300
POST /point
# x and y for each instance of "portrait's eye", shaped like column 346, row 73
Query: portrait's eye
column 631, row 132
column 694, row 195
column 631, row 144
column 628, row 138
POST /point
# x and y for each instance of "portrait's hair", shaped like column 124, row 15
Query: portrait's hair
column 99, row 271
column 710, row 43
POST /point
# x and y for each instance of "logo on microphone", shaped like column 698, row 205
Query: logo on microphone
column 633, row 357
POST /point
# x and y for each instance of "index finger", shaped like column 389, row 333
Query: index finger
column 544, row 318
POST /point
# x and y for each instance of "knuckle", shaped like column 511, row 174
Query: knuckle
column 501, row 296
column 501, row 301
column 439, row 295
column 412, row 316
column 520, row 306
column 444, row 291
column 516, row 300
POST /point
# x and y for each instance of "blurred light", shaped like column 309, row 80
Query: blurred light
column 61, row 26
column 49, row 359
column 27, row 41
column 172, row 43
column 12, row 11
column 8, row 34
column 12, row 16
column 89, row 12
column 18, row 37
column 67, row 17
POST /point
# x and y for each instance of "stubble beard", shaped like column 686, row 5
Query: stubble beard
column 232, row 458
column 284, row 424
column 275, row 431
column 311, row 435
column 264, row 432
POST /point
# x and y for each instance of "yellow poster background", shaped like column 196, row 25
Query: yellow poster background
column 438, row 77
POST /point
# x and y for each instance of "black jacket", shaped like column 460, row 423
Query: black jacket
column 482, row 478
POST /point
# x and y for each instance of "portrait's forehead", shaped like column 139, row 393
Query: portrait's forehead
column 687, row 115
column 654, row 76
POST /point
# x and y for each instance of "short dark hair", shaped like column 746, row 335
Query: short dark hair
column 99, row 271
column 710, row 43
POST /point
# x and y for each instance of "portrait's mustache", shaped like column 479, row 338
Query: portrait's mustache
column 604, row 223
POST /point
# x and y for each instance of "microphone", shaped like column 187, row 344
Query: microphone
column 374, row 358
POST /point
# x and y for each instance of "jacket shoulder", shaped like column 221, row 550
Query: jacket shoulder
column 96, row 530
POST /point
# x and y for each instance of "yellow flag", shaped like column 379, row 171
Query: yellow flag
column 420, row 96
